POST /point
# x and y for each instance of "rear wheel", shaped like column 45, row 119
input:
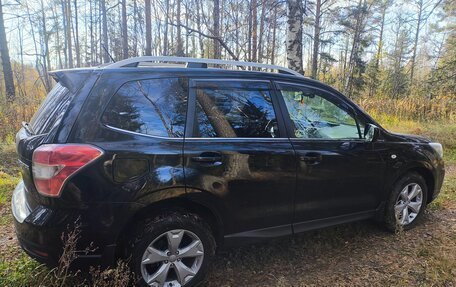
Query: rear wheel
column 172, row 250
column 407, row 202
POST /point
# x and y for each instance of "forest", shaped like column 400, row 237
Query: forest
column 395, row 59
column 397, row 54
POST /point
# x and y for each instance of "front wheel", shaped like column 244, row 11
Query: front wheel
column 172, row 250
column 407, row 202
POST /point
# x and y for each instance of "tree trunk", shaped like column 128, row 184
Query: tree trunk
column 57, row 46
column 216, row 32
column 198, row 26
column 179, row 46
column 92, row 44
column 135, row 28
column 148, row 51
column 171, row 46
column 46, row 62
column 186, row 34
column 76, row 34
column 260, row 39
column 237, row 47
column 359, row 27
column 124, row 30
column 65, row 54
column 104, row 20
column 274, row 32
column 417, row 34
column 254, row 9
column 165, row 36
column 68, row 27
column 249, row 34
column 6, row 63
column 316, row 40
column 380, row 38
column 373, row 85
column 294, row 35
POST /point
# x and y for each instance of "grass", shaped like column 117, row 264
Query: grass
column 16, row 268
column 20, row 271
column 357, row 254
column 7, row 184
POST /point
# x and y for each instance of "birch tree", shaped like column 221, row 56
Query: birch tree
column 295, row 12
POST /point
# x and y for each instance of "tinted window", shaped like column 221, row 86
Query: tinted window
column 153, row 107
column 314, row 115
column 235, row 109
column 52, row 110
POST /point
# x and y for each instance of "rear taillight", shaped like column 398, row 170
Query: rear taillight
column 54, row 164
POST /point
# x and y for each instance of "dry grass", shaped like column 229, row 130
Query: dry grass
column 441, row 108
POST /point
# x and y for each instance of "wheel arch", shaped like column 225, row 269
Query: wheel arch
column 428, row 178
column 181, row 203
column 425, row 172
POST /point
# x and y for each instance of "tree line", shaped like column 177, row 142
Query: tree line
column 365, row 48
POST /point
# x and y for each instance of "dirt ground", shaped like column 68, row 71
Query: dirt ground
column 358, row 254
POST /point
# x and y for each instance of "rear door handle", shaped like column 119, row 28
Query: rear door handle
column 311, row 158
column 210, row 157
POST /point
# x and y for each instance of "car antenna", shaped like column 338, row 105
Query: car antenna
column 107, row 52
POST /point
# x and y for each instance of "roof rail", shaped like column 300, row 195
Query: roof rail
column 196, row 63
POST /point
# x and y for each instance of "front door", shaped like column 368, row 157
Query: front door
column 340, row 175
column 236, row 150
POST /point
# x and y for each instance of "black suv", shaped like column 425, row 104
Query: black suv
column 162, row 165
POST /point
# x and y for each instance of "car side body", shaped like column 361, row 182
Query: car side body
column 244, row 188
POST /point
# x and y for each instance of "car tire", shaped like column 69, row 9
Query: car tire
column 401, row 210
column 162, row 233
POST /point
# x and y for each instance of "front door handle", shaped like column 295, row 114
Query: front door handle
column 311, row 158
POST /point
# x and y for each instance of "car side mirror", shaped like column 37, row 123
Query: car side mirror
column 371, row 133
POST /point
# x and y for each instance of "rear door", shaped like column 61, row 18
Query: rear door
column 339, row 174
column 236, row 150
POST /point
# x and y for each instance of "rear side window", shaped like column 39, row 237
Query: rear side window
column 235, row 109
column 154, row 107
column 52, row 110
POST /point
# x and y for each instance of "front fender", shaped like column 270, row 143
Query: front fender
column 406, row 157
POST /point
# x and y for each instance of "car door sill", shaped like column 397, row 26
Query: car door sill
column 257, row 235
column 325, row 222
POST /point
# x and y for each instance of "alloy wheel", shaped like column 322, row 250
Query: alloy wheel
column 408, row 204
column 172, row 259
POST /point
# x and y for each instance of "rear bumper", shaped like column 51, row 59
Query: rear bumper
column 40, row 234
column 41, row 253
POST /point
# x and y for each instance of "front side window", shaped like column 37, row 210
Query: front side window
column 314, row 116
column 234, row 109
column 153, row 107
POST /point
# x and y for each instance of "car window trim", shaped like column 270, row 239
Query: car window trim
column 139, row 134
column 192, row 121
column 333, row 99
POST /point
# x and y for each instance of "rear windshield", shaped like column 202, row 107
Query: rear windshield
column 52, row 110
